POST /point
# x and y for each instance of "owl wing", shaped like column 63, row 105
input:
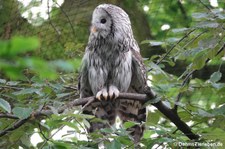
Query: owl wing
column 139, row 76
column 83, row 82
column 135, row 110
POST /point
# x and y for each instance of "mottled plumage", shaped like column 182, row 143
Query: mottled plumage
column 112, row 63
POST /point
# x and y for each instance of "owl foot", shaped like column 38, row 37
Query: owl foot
column 112, row 93
column 102, row 94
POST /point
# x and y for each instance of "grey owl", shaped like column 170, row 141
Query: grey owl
column 112, row 64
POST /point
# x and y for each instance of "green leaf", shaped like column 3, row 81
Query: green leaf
column 152, row 118
column 63, row 65
column 25, row 139
column 40, row 66
column 61, row 145
column 2, row 81
column 22, row 45
column 207, row 24
column 200, row 15
column 106, row 130
column 115, row 144
column 179, row 30
column 129, row 124
column 12, row 83
column 157, row 69
column 63, row 95
column 172, row 39
column 208, row 43
column 219, row 110
column 152, row 42
column 147, row 133
column 215, row 77
column 22, row 113
column 26, row 91
column 199, row 61
column 125, row 140
column 4, row 47
column 5, row 105
column 18, row 45
column 219, row 122
column 203, row 113
column 213, row 133
column 156, row 43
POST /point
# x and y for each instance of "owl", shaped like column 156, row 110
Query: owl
column 112, row 64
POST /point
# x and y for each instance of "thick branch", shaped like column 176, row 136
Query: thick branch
column 173, row 117
column 169, row 113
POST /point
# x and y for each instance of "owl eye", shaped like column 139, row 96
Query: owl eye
column 103, row 21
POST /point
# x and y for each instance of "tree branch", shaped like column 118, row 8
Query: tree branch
column 6, row 115
column 16, row 125
column 169, row 113
column 182, row 9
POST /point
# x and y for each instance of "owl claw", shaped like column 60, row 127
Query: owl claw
column 113, row 92
column 102, row 94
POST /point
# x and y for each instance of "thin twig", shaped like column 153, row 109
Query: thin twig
column 192, row 40
column 43, row 144
column 207, row 7
column 43, row 135
column 71, row 25
column 185, row 81
column 7, row 115
column 170, row 50
column 185, row 36
column 88, row 103
column 50, row 21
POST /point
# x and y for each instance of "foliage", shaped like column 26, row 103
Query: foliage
column 29, row 82
column 199, row 46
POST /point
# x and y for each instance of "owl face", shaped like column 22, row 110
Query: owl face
column 110, row 22
column 101, row 23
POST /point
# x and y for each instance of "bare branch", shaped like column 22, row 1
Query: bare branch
column 185, row 81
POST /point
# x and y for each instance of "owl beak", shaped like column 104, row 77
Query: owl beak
column 93, row 29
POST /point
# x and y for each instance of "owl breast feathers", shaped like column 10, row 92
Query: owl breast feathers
column 112, row 64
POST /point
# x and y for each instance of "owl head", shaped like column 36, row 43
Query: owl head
column 110, row 21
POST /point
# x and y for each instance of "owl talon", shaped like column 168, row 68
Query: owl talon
column 102, row 94
column 113, row 92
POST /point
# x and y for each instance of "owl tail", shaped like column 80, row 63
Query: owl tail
column 133, row 111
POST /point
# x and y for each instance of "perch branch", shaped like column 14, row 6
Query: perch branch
column 169, row 113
